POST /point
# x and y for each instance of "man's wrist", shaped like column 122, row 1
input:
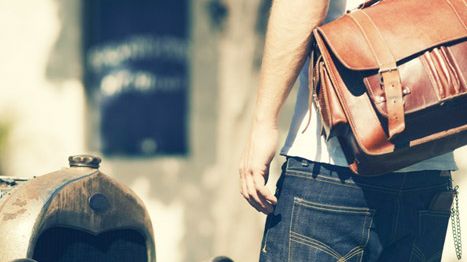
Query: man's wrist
column 267, row 121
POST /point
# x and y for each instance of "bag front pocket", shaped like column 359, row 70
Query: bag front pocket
column 321, row 232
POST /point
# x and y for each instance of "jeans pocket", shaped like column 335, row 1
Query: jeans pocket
column 429, row 243
column 321, row 232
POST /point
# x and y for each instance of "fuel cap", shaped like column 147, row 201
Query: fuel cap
column 99, row 202
column 84, row 161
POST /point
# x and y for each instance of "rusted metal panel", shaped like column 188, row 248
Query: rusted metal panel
column 22, row 207
column 8, row 183
column 79, row 197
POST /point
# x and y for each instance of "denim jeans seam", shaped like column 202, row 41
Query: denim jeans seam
column 296, row 237
column 337, row 210
column 287, row 165
column 397, row 191
column 307, row 173
column 341, row 209
column 396, row 220
column 308, row 176
column 436, row 254
column 419, row 231
column 337, row 182
column 354, row 185
column 424, row 213
column 417, row 252
column 434, row 213
column 398, row 207
column 314, row 246
column 440, row 186
column 314, row 243
column 321, row 178
column 264, row 250
column 300, row 174
column 354, row 252
column 367, row 238
column 361, row 256
column 290, row 228
column 414, row 254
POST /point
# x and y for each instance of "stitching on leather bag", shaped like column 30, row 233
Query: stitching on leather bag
column 379, row 33
column 368, row 85
column 327, row 95
column 349, row 116
column 396, row 122
column 373, row 51
column 457, row 14
column 326, row 98
column 411, row 51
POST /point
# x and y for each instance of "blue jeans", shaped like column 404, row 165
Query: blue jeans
column 326, row 213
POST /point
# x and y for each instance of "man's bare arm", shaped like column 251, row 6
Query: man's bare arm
column 289, row 31
column 287, row 40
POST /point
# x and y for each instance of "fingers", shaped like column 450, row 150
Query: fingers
column 259, row 202
column 264, row 192
column 245, row 194
column 255, row 192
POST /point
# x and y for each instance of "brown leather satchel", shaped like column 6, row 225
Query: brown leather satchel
column 389, row 81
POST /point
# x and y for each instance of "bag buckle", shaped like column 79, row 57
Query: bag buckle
column 384, row 70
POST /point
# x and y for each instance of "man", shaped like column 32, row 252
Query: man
column 321, row 211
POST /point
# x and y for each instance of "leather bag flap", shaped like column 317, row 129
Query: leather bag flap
column 407, row 27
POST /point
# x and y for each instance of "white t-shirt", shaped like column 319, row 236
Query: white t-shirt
column 308, row 143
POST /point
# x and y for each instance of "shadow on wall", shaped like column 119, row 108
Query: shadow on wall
column 65, row 59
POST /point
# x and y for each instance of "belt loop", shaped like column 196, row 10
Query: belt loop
column 287, row 163
column 445, row 173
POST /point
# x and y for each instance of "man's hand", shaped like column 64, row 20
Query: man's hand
column 288, row 36
column 254, row 167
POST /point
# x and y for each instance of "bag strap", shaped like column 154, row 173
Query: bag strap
column 368, row 4
column 389, row 73
column 363, row 5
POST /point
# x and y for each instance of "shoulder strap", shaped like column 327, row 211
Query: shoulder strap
column 390, row 78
